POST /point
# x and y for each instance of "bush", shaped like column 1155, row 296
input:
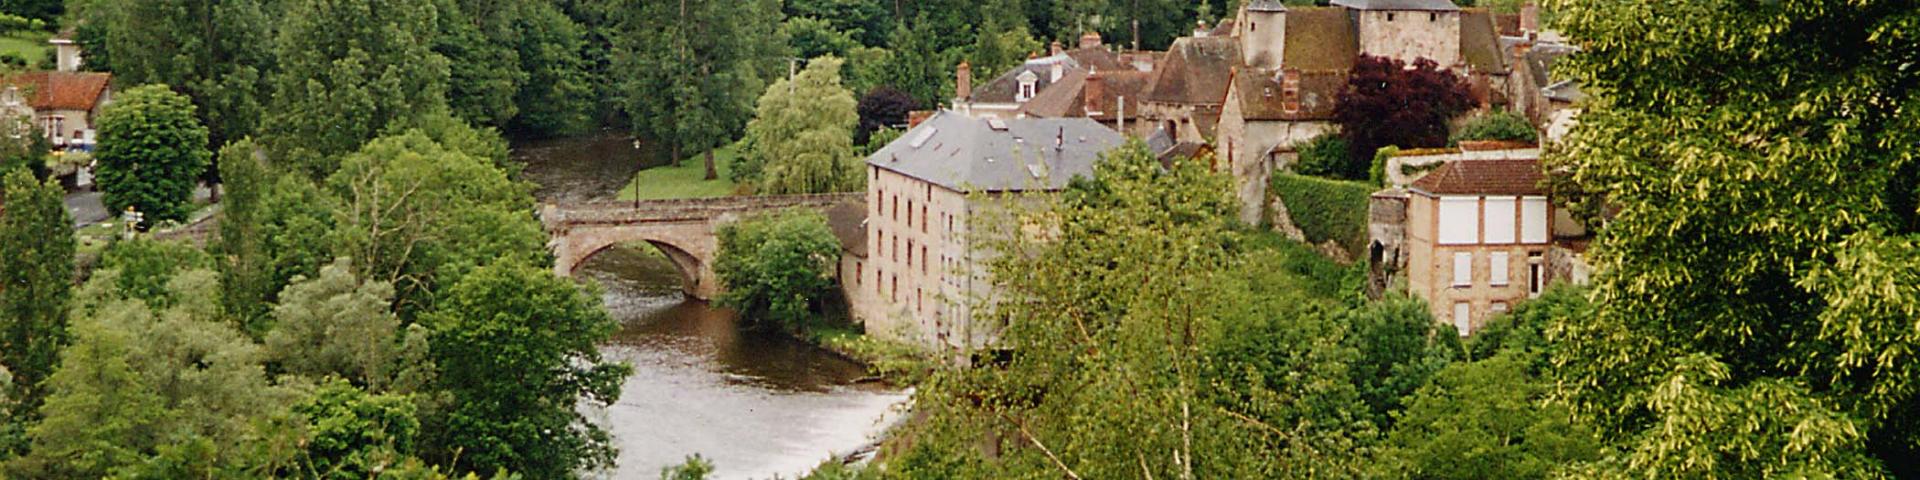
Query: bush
column 779, row 268
column 1500, row 126
column 1377, row 174
column 1325, row 156
column 1326, row 209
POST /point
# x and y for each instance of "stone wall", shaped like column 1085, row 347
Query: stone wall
column 1407, row 35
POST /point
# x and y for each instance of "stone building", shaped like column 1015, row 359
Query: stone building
column 1005, row 94
column 922, row 273
column 1112, row 98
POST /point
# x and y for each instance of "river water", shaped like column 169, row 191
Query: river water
column 758, row 404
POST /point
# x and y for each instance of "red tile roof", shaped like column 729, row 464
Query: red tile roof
column 62, row 90
column 1484, row 177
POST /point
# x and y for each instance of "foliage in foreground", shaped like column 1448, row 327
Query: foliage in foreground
column 152, row 150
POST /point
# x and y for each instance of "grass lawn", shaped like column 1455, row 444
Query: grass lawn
column 684, row 181
column 28, row 45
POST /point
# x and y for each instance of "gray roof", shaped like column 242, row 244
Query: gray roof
column 1006, row 87
column 1266, row 6
column 1417, row 5
column 968, row 154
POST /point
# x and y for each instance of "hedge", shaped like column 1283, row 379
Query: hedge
column 1326, row 209
column 1502, row 126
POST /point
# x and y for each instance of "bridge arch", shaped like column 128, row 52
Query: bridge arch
column 686, row 230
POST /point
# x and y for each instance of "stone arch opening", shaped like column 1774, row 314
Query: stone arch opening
column 688, row 264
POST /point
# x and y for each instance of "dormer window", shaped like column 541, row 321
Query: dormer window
column 1027, row 83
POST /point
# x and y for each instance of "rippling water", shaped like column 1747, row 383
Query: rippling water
column 758, row 404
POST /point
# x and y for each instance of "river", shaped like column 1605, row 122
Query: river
column 758, row 404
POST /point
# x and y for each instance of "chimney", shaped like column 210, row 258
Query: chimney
column 1055, row 48
column 1093, row 97
column 1090, row 40
column 963, row 81
column 1059, row 70
column 66, row 53
column 1529, row 18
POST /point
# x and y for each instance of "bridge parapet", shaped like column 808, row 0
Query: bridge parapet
column 558, row 217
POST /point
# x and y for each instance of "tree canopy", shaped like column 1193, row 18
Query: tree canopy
column 152, row 152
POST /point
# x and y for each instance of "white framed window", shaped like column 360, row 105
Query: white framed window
column 1463, row 269
column 1500, row 220
column 1497, row 269
column 1459, row 221
column 1533, row 220
column 1463, row 318
column 1536, row 275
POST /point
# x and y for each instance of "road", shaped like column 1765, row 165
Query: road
column 86, row 209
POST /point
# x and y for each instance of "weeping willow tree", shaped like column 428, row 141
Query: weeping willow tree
column 802, row 133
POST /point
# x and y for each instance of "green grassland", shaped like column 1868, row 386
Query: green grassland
column 685, row 181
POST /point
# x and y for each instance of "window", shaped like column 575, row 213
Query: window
column 1433, row 17
column 1498, row 307
column 896, row 207
column 1533, row 220
column 1463, row 318
column 859, row 271
column 1536, row 276
column 1500, row 224
column 896, row 288
column 909, row 213
column 1389, row 17
column 1463, row 269
column 880, row 202
column 923, row 218
column 896, row 249
column 909, row 253
column 1459, row 220
column 923, row 259
column 1497, row 266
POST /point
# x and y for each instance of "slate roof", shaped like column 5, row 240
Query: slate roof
column 1068, row 97
column 62, row 90
column 1196, row 71
column 1266, row 6
column 1415, row 5
column 1263, row 94
column 1542, row 57
column 1483, row 177
column 967, row 154
column 1480, row 41
column 1320, row 39
column 1004, row 87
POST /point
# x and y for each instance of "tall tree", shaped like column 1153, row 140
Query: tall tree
column 1392, row 103
column 347, row 70
column 245, row 271
column 36, row 280
column 557, row 96
column 1758, row 266
column 213, row 51
column 518, row 350
column 337, row 326
column 421, row 215
column 779, row 268
column 692, row 68
column 152, row 152
column 918, row 66
column 802, row 134
column 484, row 75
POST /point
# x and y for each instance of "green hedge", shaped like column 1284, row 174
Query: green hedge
column 1502, row 126
column 1326, row 209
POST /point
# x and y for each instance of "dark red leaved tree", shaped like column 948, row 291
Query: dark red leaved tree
column 883, row 107
column 1388, row 102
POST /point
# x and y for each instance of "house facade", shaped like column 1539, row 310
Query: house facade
column 63, row 103
column 922, row 274
column 1478, row 239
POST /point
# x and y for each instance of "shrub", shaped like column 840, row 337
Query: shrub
column 778, row 268
column 1377, row 174
column 1326, row 209
column 1325, row 156
column 1501, row 126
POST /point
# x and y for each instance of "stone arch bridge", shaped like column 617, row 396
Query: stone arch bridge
column 685, row 230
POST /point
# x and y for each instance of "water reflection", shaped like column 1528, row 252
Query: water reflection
column 758, row 403
column 584, row 168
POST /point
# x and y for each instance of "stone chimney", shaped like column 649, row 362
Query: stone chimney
column 1055, row 49
column 1529, row 18
column 1093, row 97
column 1090, row 40
column 963, row 82
column 66, row 53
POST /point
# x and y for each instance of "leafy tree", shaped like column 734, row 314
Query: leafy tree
column 352, row 434
column 421, row 215
column 1502, row 126
column 1326, row 156
column 866, row 21
column 918, row 66
column 882, row 108
column 23, row 146
column 244, row 269
column 213, row 51
column 151, row 152
column 1391, row 103
column 36, row 281
column 335, row 325
column 46, row 11
column 803, row 133
column 695, row 468
column 779, row 268
column 1760, row 244
column 1002, row 41
column 518, row 353
column 691, row 68
column 484, row 71
column 346, row 71
column 100, row 415
column 143, row 269
column 1400, row 347
column 558, row 93
column 1486, row 419
column 815, row 38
